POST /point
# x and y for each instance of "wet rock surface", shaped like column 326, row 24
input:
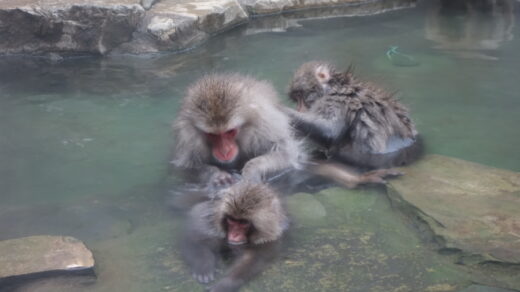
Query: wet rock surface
column 469, row 207
column 34, row 255
column 148, row 26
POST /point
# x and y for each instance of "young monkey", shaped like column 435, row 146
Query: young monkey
column 246, row 220
column 352, row 120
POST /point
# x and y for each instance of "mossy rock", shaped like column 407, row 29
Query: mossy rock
column 468, row 206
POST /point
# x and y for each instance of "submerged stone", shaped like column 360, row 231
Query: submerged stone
column 468, row 207
column 480, row 288
column 31, row 255
column 306, row 210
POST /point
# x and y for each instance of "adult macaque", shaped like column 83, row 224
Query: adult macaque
column 232, row 123
column 246, row 220
column 351, row 120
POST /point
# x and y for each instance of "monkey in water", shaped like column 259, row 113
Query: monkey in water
column 247, row 221
column 351, row 120
column 232, row 123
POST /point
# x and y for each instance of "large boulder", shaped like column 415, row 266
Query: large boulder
column 149, row 26
column 72, row 26
column 469, row 207
column 180, row 24
column 32, row 255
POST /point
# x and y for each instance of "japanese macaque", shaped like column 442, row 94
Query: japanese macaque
column 247, row 221
column 353, row 121
column 232, row 123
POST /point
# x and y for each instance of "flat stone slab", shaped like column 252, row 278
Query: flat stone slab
column 480, row 288
column 468, row 206
column 39, row 254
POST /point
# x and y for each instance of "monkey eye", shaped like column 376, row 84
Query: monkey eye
column 233, row 221
column 212, row 136
column 231, row 133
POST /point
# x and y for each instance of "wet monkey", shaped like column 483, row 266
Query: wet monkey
column 351, row 120
column 232, row 123
column 246, row 220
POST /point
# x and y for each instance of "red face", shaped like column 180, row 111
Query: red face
column 223, row 145
column 237, row 230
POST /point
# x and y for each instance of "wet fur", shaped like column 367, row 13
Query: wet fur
column 205, row 235
column 219, row 101
column 346, row 115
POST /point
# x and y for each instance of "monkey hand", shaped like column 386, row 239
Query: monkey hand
column 222, row 179
column 251, row 175
column 226, row 284
column 378, row 176
column 204, row 274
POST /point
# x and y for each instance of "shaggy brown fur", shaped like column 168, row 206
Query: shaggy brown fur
column 206, row 232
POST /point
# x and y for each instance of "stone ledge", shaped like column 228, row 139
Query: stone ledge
column 468, row 207
column 146, row 26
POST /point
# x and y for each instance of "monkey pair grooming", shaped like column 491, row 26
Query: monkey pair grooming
column 232, row 123
column 247, row 220
column 354, row 121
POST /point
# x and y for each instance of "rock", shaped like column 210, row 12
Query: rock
column 305, row 210
column 323, row 8
column 39, row 254
column 72, row 26
column 480, row 288
column 176, row 25
column 149, row 26
column 147, row 4
column 468, row 207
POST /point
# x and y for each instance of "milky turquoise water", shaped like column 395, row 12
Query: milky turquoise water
column 84, row 142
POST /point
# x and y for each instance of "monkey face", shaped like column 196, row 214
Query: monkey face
column 237, row 230
column 223, row 145
column 310, row 82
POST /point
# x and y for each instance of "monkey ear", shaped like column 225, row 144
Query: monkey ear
column 322, row 73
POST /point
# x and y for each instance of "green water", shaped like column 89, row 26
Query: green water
column 84, row 146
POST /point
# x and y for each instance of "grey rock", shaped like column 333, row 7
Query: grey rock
column 480, row 288
column 149, row 26
column 469, row 207
column 76, row 26
column 147, row 4
column 38, row 254
column 177, row 25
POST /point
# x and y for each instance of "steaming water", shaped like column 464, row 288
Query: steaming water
column 84, row 142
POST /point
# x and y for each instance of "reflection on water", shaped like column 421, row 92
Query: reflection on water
column 84, row 145
column 471, row 29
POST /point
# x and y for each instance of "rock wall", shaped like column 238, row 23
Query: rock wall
column 146, row 26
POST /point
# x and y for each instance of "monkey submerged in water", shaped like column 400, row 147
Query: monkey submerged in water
column 353, row 121
column 232, row 123
column 246, row 220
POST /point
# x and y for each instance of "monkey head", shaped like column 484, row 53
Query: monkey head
column 310, row 82
column 250, row 214
column 213, row 110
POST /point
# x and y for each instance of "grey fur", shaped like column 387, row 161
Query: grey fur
column 347, row 114
column 205, row 234
column 217, row 102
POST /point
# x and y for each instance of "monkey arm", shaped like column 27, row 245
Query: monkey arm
column 326, row 131
column 251, row 263
column 349, row 177
column 284, row 154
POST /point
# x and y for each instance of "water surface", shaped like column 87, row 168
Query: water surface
column 84, row 143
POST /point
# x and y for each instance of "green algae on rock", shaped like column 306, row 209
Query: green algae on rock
column 468, row 207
